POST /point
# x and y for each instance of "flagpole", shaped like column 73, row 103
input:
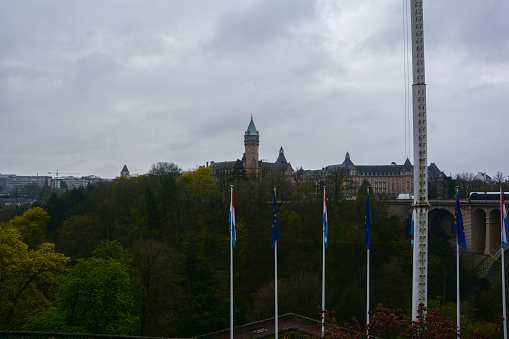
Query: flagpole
column 367, row 294
column 231, row 266
column 323, row 263
column 503, row 296
column 367, row 282
column 504, row 314
column 276, row 329
column 457, row 277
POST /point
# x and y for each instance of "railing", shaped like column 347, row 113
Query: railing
column 46, row 335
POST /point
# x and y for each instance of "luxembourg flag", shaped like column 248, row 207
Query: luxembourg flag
column 325, row 218
column 412, row 228
column 505, row 223
column 231, row 221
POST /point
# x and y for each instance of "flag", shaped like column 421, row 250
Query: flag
column 458, row 224
column 275, row 234
column 231, row 221
column 325, row 231
column 367, row 223
column 412, row 228
column 505, row 224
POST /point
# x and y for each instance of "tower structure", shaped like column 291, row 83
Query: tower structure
column 420, row 205
column 251, row 144
column 124, row 171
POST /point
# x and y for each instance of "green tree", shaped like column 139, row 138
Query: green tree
column 25, row 278
column 79, row 235
column 202, row 307
column 196, row 185
column 156, row 265
column 31, row 225
column 239, row 172
column 97, row 295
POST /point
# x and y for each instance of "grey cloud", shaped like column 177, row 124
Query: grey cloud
column 480, row 27
column 90, row 69
column 263, row 22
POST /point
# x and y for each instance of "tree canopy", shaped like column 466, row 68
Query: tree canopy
column 152, row 253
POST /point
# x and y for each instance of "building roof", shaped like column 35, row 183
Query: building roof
column 281, row 158
column 124, row 169
column 434, row 172
column 407, row 166
column 251, row 129
column 287, row 323
column 392, row 169
column 347, row 163
column 222, row 165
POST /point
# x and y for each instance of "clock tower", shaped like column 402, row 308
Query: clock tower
column 251, row 143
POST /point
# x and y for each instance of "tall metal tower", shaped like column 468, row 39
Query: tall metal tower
column 420, row 205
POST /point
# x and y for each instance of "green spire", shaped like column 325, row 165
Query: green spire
column 251, row 129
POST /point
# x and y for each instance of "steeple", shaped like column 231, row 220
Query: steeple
column 347, row 164
column 281, row 159
column 251, row 129
column 124, row 171
column 251, row 143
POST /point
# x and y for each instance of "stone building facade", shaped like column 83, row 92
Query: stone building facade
column 391, row 180
column 386, row 180
column 250, row 159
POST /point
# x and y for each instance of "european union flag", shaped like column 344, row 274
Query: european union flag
column 458, row 224
column 275, row 234
column 367, row 223
column 325, row 231
column 231, row 220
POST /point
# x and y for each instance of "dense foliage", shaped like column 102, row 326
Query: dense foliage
column 389, row 323
column 159, row 243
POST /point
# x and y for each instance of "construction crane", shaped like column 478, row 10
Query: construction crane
column 57, row 172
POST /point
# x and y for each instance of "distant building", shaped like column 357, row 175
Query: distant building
column 69, row 183
column 251, row 143
column 388, row 180
column 8, row 182
column 124, row 171
column 482, row 176
column 250, row 159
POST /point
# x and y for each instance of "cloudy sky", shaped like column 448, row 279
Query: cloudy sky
column 88, row 86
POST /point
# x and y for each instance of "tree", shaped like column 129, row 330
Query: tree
column 30, row 225
column 156, row 266
column 79, row 235
column 31, row 190
column 25, row 278
column 97, row 295
column 239, row 172
column 196, row 185
column 164, row 169
column 389, row 323
column 300, row 293
column 464, row 182
column 499, row 178
column 202, row 305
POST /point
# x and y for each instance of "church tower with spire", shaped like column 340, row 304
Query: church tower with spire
column 251, row 143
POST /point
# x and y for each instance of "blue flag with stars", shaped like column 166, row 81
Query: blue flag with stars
column 367, row 224
column 275, row 234
column 458, row 224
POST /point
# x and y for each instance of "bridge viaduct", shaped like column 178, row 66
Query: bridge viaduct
column 481, row 220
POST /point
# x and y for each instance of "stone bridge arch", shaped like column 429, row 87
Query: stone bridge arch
column 478, row 231
column 493, row 230
column 481, row 221
column 442, row 218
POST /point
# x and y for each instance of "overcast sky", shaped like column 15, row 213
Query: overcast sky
column 88, row 86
